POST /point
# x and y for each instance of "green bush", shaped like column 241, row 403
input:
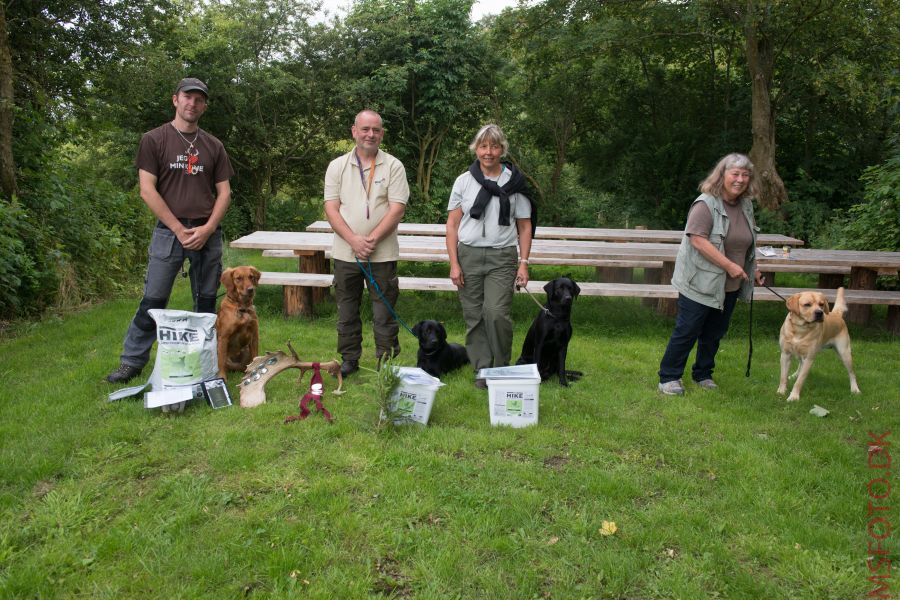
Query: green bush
column 19, row 275
column 873, row 224
column 70, row 238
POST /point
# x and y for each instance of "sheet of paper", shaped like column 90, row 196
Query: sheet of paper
column 510, row 372
column 165, row 397
column 127, row 392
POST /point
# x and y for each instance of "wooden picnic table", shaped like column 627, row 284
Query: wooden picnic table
column 579, row 233
column 864, row 266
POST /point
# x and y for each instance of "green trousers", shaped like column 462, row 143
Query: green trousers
column 348, row 288
column 489, row 276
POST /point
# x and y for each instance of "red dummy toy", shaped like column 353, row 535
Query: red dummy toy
column 316, row 390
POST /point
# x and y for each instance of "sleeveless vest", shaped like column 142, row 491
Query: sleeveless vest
column 701, row 280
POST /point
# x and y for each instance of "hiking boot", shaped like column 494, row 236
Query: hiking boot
column 124, row 373
column 480, row 383
column 672, row 388
column 707, row 384
column 348, row 367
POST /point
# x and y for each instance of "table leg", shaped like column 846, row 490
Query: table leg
column 315, row 262
column 615, row 274
column 861, row 279
column 652, row 276
column 300, row 300
column 667, row 306
column 830, row 281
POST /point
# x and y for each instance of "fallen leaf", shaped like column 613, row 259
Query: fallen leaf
column 671, row 552
column 818, row 411
column 552, row 540
column 608, row 528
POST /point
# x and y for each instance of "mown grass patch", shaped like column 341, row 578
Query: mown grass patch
column 732, row 493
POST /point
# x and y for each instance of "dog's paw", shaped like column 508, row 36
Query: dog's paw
column 782, row 390
column 854, row 389
column 793, row 397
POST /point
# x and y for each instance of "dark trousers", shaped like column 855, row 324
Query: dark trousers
column 167, row 256
column 701, row 324
column 348, row 287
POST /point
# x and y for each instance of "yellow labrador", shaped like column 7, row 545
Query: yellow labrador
column 809, row 327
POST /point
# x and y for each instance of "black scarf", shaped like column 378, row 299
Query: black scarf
column 490, row 189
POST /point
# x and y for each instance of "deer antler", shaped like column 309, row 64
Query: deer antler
column 263, row 368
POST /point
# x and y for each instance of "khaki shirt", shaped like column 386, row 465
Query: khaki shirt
column 343, row 183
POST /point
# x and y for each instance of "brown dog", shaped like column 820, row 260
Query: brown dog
column 809, row 327
column 236, row 324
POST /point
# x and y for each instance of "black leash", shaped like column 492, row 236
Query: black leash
column 750, row 326
column 750, row 335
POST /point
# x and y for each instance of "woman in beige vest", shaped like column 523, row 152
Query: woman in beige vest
column 712, row 270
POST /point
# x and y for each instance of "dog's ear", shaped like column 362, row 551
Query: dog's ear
column 793, row 303
column 227, row 280
column 417, row 328
column 549, row 287
column 575, row 287
column 441, row 331
column 255, row 273
column 827, row 306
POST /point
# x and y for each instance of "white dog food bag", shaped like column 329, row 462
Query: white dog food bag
column 185, row 356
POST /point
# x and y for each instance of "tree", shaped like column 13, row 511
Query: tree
column 426, row 68
column 275, row 72
column 48, row 53
column 7, row 101
column 782, row 37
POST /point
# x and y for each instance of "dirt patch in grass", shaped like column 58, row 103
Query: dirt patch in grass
column 390, row 580
column 556, row 462
column 43, row 487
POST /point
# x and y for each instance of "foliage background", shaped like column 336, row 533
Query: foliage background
column 614, row 110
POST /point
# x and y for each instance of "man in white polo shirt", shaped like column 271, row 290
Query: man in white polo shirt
column 365, row 197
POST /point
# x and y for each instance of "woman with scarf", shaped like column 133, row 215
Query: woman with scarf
column 488, row 217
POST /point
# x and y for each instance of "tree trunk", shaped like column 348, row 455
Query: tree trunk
column 261, row 201
column 761, row 64
column 562, row 135
column 7, row 164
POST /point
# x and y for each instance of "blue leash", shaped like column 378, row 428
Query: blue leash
column 371, row 278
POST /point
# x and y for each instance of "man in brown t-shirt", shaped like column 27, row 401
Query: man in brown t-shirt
column 183, row 173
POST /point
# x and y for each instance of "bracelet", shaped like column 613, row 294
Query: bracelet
column 523, row 260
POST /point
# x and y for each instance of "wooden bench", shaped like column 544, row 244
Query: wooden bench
column 538, row 260
column 610, row 258
column 588, row 288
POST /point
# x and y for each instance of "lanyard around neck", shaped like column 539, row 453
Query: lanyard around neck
column 362, row 178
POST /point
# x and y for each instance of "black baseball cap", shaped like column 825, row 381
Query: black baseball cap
column 189, row 84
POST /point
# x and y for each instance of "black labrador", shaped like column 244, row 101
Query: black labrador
column 548, row 338
column 436, row 357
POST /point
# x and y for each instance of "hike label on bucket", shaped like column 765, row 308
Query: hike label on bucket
column 514, row 403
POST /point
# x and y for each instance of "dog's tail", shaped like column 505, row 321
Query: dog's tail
column 840, row 307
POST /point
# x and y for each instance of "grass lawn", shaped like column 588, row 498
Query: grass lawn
column 727, row 494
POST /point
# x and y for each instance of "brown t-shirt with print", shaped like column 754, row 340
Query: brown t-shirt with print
column 737, row 240
column 185, row 178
